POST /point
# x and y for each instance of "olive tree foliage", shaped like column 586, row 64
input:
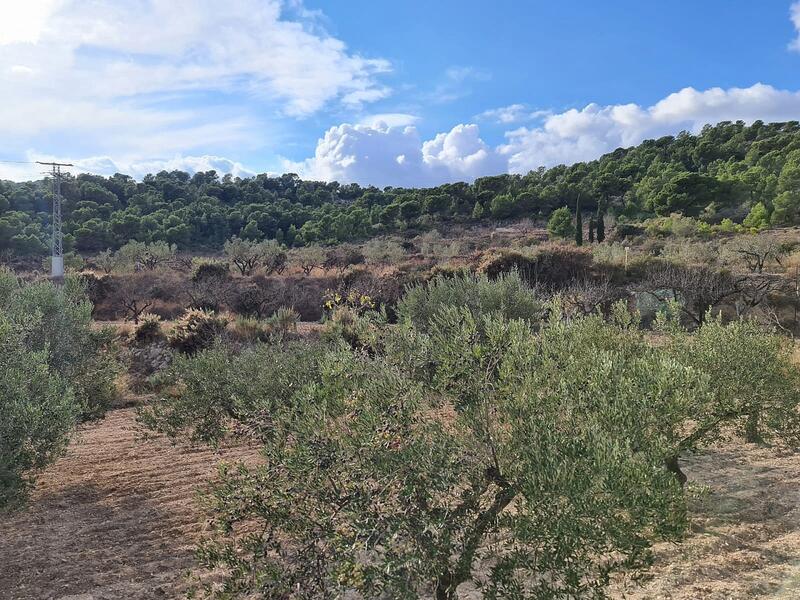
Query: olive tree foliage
column 459, row 453
column 308, row 258
column 37, row 414
column 243, row 254
column 54, row 370
column 147, row 256
column 246, row 255
column 508, row 295
column 58, row 321
column 472, row 442
column 756, row 252
column 756, row 384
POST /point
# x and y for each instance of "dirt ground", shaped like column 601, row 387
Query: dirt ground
column 117, row 518
column 745, row 540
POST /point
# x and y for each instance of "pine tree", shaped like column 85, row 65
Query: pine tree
column 477, row 212
column 578, row 222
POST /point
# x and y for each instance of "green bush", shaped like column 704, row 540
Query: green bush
column 222, row 393
column 196, row 330
column 560, row 224
column 37, row 413
column 58, row 320
column 54, row 370
column 507, row 296
column 148, row 330
column 392, row 478
column 284, row 321
column 205, row 270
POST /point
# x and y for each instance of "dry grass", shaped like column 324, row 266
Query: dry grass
column 745, row 538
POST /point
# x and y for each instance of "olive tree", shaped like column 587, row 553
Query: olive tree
column 243, row 254
column 37, row 414
column 756, row 384
column 454, row 456
column 147, row 256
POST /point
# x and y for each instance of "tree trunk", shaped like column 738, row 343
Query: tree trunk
column 751, row 429
column 674, row 467
column 445, row 588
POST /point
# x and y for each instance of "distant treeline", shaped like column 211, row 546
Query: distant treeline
column 729, row 170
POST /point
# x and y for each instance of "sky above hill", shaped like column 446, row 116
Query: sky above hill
column 384, row 93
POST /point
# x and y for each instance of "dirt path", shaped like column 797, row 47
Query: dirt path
column 115, row 518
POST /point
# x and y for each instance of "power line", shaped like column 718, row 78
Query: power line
column 19, row 162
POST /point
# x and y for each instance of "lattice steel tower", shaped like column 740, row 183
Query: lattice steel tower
column 57, row 243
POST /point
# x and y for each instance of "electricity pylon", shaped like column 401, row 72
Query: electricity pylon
column 57, row 243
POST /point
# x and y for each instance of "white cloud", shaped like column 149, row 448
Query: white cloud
column 577, row 135
column 396, row 156
column 513, row 113
column 378, row 154
column 505, row 114
column 383, row 120
column 794, row 14
column 158, row 77
column 136, row 168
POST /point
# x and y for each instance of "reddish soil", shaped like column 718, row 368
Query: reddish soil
column 117, row 517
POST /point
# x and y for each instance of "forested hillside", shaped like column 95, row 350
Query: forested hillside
column 748, row 174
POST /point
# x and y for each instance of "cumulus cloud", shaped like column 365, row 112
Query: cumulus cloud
column 388, row 119
column 380, row 154
column 396, row 156
column 585, row 134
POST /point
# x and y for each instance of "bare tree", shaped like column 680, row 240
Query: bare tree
column 697, row 288
column 587, row 296
column 757, row 251
column 132, row 297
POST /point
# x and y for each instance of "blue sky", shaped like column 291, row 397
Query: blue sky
column 380, row 93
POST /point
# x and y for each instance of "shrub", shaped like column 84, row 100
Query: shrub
column 383, row 252
column 205, row 270
column 55, row 368
column 58, row 321
column 507, row 296
column 551, row 265
column 284, row 321
column 37, row 413
column 196, row 330
column 560, row 224
column 249, row 330
column 148, row 330
column 220, row 390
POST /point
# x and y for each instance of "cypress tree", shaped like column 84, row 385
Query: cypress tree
column 601, row 227
column 578, row 222
column 591, row 229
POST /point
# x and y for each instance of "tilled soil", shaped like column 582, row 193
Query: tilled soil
column 117, row 517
